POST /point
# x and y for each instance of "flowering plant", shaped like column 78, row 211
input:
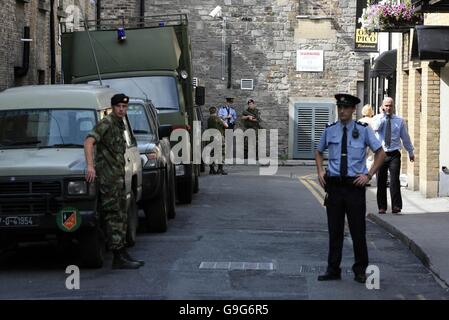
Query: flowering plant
column 388, row 14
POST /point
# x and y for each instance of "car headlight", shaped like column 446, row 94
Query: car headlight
column 77, row 188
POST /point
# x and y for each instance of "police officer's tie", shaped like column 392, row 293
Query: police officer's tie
column 388, row 132
column 344, row 154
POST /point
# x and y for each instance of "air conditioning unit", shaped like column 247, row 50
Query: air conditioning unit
column 247, row 84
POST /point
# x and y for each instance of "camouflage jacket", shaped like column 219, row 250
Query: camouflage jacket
column 214, row 122
column 251, row 124
column 110, row 147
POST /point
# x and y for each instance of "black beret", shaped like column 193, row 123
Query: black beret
column 229, row 98
column 344, row 99
column 119, row 98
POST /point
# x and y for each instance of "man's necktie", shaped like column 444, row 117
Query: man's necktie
column 344, row 154
column 388, row 132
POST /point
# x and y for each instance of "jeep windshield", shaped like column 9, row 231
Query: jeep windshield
column 44, row 128
column 161, row 90
column 139, row 121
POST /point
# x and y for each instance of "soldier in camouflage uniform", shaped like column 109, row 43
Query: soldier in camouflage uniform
column 215, row 122
column 109, row 169
column 251, row 120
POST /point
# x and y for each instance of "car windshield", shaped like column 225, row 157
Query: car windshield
column 45, row 128
column 139, row 120
column 161, row 90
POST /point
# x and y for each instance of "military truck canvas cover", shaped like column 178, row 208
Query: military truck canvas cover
column 143, row 49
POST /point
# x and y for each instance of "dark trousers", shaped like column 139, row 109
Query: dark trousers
column 346, row 198
column 392, row 163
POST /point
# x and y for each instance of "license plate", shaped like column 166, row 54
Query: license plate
column 17, row 221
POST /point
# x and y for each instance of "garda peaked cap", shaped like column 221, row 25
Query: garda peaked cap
column 348, row 100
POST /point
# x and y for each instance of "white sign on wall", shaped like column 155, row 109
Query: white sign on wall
column 310, row 60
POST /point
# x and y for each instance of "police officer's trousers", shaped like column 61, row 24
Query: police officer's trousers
column 345, row 198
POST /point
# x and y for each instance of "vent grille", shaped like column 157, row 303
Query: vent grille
column 195, row 82
column 53, row 188
column 310, row 122
column 247, row 84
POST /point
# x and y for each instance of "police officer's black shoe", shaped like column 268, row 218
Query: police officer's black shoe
column 360, row 277
column 329, row 276
column 120, row 262
column 129, row 258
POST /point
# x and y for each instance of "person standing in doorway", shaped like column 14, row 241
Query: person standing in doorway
column 390, row 130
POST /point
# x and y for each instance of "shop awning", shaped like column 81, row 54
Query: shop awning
column 384, row 65
column 430, row 43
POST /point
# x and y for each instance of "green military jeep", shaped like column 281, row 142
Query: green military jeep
column 43, row 191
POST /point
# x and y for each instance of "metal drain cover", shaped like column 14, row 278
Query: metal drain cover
column 227, row 265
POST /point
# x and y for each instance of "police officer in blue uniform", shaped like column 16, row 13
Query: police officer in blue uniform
column 344, row 182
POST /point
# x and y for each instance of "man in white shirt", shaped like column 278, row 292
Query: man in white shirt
column 390, row 129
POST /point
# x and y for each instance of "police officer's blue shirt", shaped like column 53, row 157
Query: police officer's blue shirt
column 331, row 139
column 398, row 132
column 224, row 111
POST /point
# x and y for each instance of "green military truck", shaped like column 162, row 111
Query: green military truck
column 145, row 57
column 43, row 191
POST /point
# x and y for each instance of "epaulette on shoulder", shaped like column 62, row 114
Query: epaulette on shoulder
column 362, row 123
column 331, row 124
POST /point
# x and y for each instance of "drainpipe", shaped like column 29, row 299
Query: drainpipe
column 52, row 43
column 142, row 13
column 98, row 11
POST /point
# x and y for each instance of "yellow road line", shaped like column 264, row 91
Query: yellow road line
column 312, row 190
column 317, row 187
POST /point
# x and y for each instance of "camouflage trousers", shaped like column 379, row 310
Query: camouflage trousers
column 112, row 207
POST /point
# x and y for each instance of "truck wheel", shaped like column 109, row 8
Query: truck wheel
column 92, row 246
column 156, row 210
column 185, row 190
column 171, row 195
column 133, row 221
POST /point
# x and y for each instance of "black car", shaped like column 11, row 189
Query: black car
column 158, row 174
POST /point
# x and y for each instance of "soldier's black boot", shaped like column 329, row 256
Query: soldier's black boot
column 220, row 170
column 120, row 262
column 212, row 169
column 129, row 258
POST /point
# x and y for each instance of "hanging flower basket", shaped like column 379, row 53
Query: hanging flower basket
column 389, row 16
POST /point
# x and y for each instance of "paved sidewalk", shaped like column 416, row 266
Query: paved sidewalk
column 423, row 226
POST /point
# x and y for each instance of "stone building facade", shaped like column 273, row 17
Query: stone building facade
column 424, row 89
